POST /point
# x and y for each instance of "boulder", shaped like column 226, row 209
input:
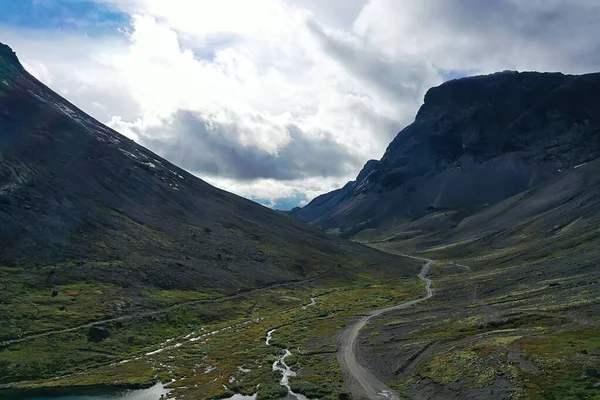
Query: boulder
column 590, row 373
column 96, row 334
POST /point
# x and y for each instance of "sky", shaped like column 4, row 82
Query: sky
column 282, row 100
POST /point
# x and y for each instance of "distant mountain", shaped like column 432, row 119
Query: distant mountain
column 80, row 202
column 475, row 141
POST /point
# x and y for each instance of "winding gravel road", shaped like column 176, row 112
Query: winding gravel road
column 361, row 379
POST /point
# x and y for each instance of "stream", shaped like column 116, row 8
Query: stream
column 286, row 371
column 158, row 391
column 281, row 366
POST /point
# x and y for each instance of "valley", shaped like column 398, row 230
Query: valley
column 463, row 264
column 219, row 358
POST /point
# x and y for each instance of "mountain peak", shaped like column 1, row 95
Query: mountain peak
column 8, row 56
column 474, row 142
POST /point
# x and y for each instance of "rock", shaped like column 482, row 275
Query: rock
column 590, row 373
column 6, row 53
column 55, row 293
column 96, row 334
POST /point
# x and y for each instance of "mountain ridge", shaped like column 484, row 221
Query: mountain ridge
column 475, row 141
column 73, row 190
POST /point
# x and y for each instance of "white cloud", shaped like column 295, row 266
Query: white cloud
column 277, row 99
column 270, row 189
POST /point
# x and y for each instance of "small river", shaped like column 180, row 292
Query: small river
column 159, row 391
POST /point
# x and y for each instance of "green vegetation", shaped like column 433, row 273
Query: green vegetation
column 569, row 361
column 235, row 357
column 520, row 326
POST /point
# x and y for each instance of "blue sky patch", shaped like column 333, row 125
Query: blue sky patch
column 448, row 75
column 283, row 204
column 83, row 16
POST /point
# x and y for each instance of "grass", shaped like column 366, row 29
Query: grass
column 236, row 358
column 563, row 358
column 29, row 306
column 523, row 323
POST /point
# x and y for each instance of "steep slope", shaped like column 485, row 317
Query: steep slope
column 475, row 141
column 72, row 189
column 80, row 202
column 518, row 316
column 558, row 215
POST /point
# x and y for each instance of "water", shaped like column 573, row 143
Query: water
column 286, row 374
column 153, row 393
column 158, row 390
column 269, row 337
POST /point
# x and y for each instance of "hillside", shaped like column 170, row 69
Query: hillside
column 74, row 191
column 475, row 141
column 522, row 320
column 498, row 180
column 107, row 249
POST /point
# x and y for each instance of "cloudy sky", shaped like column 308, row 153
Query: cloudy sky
column 281, row 100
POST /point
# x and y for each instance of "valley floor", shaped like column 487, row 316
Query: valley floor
column 494, row 328
column 498, row 329
column 210, row 348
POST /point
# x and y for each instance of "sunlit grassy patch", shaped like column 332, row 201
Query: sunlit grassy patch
column 564, row 359
column 236, row 359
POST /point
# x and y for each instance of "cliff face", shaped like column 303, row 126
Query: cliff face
column 475, row 141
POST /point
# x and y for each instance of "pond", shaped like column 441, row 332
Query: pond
column 153, row 393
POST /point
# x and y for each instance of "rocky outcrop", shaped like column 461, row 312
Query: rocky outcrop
column 9, row 56
column 475, row 141
column 96, row 334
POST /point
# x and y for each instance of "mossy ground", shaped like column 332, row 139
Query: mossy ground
column 522, row 323
column 210, row 348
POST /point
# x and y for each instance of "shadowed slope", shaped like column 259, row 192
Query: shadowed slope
column 79, row 197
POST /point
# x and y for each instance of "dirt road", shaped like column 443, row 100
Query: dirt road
column 362, row 381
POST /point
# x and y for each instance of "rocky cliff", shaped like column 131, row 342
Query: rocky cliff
column 475, row 141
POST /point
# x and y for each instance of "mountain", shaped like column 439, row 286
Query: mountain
column 520, row 308
column 81, row 203
column 559, row 214
column 498, row 180
column 474, row 142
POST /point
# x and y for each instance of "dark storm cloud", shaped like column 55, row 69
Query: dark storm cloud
column 400, row 80
column 558, row 27
column 488, row 36
column 214, row 149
